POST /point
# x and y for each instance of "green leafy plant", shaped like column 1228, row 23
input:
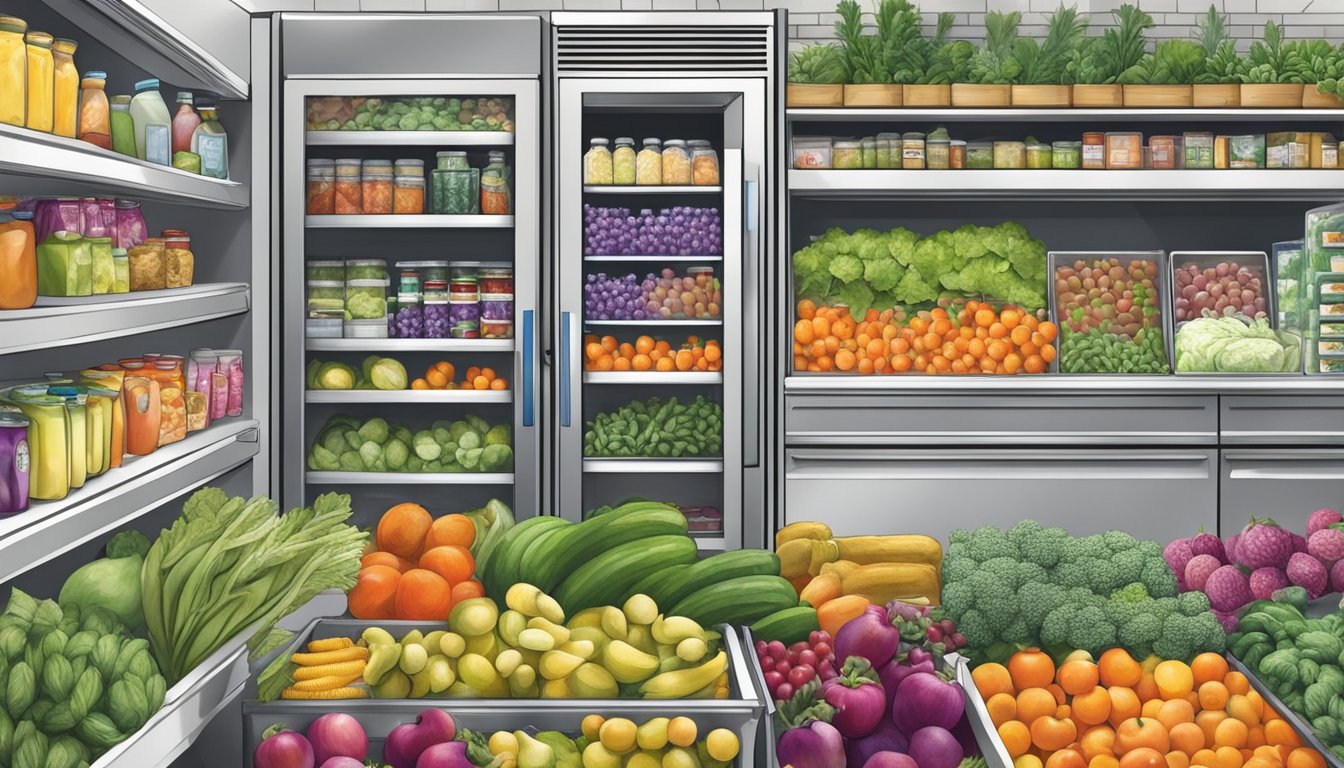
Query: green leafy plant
column 1222, row 64
column 820, row 64
column 1102, row 60
column 994, row 63
column 1314, row 60
column 1332, row 82
column 950, row 60
column 1173, row 62
column 1047, row 62
column 1272, row 60
column 905, row 50
column 863, row 55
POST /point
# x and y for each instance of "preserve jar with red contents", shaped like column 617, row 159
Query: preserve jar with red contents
column 349, row 197
column 376, row 186
column 321, row 187
column 495, row 278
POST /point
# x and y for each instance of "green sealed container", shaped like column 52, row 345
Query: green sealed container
column 104, row 271
column 64, row 265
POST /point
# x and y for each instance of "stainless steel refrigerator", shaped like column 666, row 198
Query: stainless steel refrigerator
column 714, row 77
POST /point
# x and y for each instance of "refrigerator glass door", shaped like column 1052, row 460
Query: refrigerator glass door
column 470, row 362
column 655, row 281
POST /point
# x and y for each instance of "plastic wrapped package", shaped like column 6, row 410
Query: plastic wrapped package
column 18, row 260
column 14, row 463
column 102, row 268
column 231, row 365
column 91, row 218
column 64, row 266
column 172, row 398
column 61, row 214
column 121, row 271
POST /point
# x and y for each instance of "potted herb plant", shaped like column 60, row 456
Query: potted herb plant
column 816, row 77
column 869, row 83
column 1330, row 86
column 950, row 63
column 1218, row 85
column 1044, row 77
column 908, row 52
column 1164, row 78
column 1321, row 62
column 1274, row 74
column 993, row 68
column 1101, row 60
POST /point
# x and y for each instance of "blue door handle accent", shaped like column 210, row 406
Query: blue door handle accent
column 529, row 388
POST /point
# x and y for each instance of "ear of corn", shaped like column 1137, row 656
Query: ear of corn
column 334, row 693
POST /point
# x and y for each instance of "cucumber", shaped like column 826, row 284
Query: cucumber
column 649, row 584
column 550, row 559
column 787, row 626
column 607, row 578
column 713, row 570
column 737, row 601
column 502, row 570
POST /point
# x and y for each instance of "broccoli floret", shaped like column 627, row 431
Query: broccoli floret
column 957, row 597
column 1055, row 628
column 1119, row 541
column 995, row 599
column 1128, row 565
column 1091, row 631
column 988, row 542
column 1184, row 637
column 957, row 569
column 973, row 626
column 1121, row 612
column 1131, row 593
column 1140, row 633
column 1193, row 603
column 1018, row 632
column 1028, row 572
column 1024, row 531
column 1045, row 549
column 1036, row 599
column 1159, row 579
column 1005, row 569
column 958, row 536
column 1087, row 550
column 1151, row 549
column 1102, row 577
column 1070, row 573
column 1163, row 607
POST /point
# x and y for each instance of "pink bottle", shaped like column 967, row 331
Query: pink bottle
column 184, row 123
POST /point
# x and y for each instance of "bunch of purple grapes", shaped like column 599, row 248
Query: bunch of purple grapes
column 410, row 323
column 613, row 298
column 678, row 231
column 436, row 321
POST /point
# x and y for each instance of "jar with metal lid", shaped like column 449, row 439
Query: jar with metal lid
column 146, row 266
column 451, row 160
column 321, row 187
column 41, row 81
column 623, row 161
column 649, row 163
column 676, row 163
column 912, row 151
column 409, row 167
column 704, row 164
column 938, row 151
column 957, row 155
column 1066, row 155
column 1038, row 155
column 464, row 286
column 349, row 195
column 95, row 112
column 65, row 92
column 179, row 262
column 495, row 279
column 1010, row 155
column 408, row 281
column 1094, row 151
column 409, row 321
column 376, row 189
column 463, row 270
column 13, row 70
column 408, row 194
column 435, row 310
column 847, row 154
column 597, row 167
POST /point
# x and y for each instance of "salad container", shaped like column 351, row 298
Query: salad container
column 1086, row 358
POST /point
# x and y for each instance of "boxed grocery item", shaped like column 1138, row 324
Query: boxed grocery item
column 1198, row 150
column 1239, row 151
column 1332, row 364
column 1288, row 149
column 1124, row 151
column 1323, row 151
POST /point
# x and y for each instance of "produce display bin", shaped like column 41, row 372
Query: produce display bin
column 986, row 734
column 766, row 735
column 1054, row 259
column 1308, row 735
column 1206, row 259
column 741, row 712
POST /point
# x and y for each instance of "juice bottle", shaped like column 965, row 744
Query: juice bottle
column 95, row 121
column 152, row 123
column 40, row 81
column 184, row 123
column 13, row 71
column 210, row 141
column 122, row 126
column 65, row 92
column 18, row 260
column 48, row 440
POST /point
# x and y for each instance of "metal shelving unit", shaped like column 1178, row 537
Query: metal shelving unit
column 409, row 345
column 651, row 323
column 653, row 377
column 409, row 138
column 653, row 259
column 410, row 478
column 409, row 221
column 612, row 189
column 1032, row 115
column 409, row 396
column 651, row 466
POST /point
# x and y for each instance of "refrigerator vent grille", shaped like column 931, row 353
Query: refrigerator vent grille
column 662, row 49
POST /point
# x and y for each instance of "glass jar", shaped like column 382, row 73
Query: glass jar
column 1039, row 155
column 980, row 155
column 676, row 163
column 409, row 168
column 325, row 269
column 366, row 269
column 365, row 299
column 496, row 279
column 408, row 281
column 321, row 190
column 1066, row 155
column 148, row 266
column 435, row 289
column 409, row 322
column 18, row 260
column 325, row 299
column 41, row 81
column 408, row 194
column 495, row 198
column 497, row 306
column 847, row 155
column 65, row 88
column 131, row 227
column 705, row 164
column 13, row 71
column 91, row 218
column 913, row 151
column 957, row 155
column 121, row 271
column 597, row 168
column 623, row 161
column 123, row 126
column 464, row 311
column 437, row 322
column 868, row 152
column 172, row 399
column 888, row 150
column 14, row 463
column 375, row 184
column 938, row 151
column 463, row 271
column 451, row 160
column 1010, row 155
column 649, row 163
column 1094, row 151
column 456, row 192
column 95, row 114
column 179, row 262
column 349, row 193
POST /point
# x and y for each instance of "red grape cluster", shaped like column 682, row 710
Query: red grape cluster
column 789, row 668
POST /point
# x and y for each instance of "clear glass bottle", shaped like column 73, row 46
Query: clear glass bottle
column 705, row 164
column 211, row 141
column 41, row 74
column 65, row 88
column 495, row 196
column 597, row 169
column 13, row 71
column 95, row 115
column 649, row 163
column 623, row 161
column 676, row 163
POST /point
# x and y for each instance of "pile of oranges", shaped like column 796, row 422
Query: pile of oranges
column 977, row 339
column 1117, row 712
column 649, row 354
column 421, row 568
column 442, row 375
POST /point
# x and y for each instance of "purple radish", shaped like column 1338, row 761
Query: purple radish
column 1322, row 518
column 1327, row 545
column 1205, row 543
column 1337, row 577
column 1264, row 544
column 1265, row 580
column 1228, row 620
column 1177, row 554
column 1299, row 542
column 1306, row 571
column 1230, row 547
column 1197, row 571
column 1228, row 588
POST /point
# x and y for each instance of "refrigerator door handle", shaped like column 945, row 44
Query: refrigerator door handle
column 751, row 414
column 565, row 321
column 529, row 374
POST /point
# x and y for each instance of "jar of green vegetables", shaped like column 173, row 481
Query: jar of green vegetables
column 1038, row 155
column 1066, row 155
column 980, row 155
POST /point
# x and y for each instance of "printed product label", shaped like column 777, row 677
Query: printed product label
column 1329, row 157
column 157, row 144
column 1333, row 239
column 212, row 156
column 21, row 460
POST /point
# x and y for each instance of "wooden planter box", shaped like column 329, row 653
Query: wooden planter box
column 1048, row 96
column 1098, row 96
column 1271, row 95
column 880, row 95
column 1314, row 99
column 976, row 95
column 803, row 95
column 1217, row 95
column 928, row 95
column 1159, row 96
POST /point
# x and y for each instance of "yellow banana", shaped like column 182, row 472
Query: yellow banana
column 670, row 630
column 628, row 664
column 679, row 684
column 794, row 558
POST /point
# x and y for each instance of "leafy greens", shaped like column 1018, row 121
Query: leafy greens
column 1047, row 62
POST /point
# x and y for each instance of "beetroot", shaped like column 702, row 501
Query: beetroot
column 1264, row 544
column 888, row 760
column 1308, row 572
column 1177, row 554
column 1265, row 580
column 934, row 747
column 1198, row 569
column 1228, row 588
column 1299, row 542
column 1337, row 577
column 1230, row 547
column 1322, row 518
column 1327, row 545
column 1205, row 543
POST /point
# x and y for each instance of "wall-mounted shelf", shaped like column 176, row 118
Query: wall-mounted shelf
column 651, row 323
column 652, row 377
column 409, row 345
column 650, row 189
column 652, row 259
column 653, row 466
column 408, row 138
column 409, row 221
column 409, row 478
column 409, row 396
column 1065, row 115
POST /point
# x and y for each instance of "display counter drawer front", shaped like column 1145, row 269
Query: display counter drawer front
column 905, row 419
column 1157, row 494
column 1287, row 485
column 1283, row 420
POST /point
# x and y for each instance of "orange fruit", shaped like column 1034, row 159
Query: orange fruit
column 1031, row 668
column 1002, row 707
column 450, row 561
column 1078, row 676
column 1103, row 761
column 665, row 364
column 806, row 309
column 1124, row 704
column 1242, row 707
column 1208, row 721
column 1139, row 732
column 1066, row 758
column 1174, row 679
column 1236, row 682
column 423, row 596
column 1213, row 695
column 446, row 368
column 991, row 679
column 1117, row 667
column 1187, row 738
column 1092, row 707
column 609, row 343
column 481, row 382
column 593, row 350
column 1143, row 757
column 375, row 593
column 503, row 384
column 1016, row 737
column 1175, row 712
column 1050, row 733
column 454, row 529
column 1208, row 666
column 1231, row 733
column 1279, row 732
column 1305, row 757
column 388, row 559
column 419, row 384
column 1228, row 757
column 401, row 530
column 436, row 378
column 1147, row 687
column 1035, row 703
column 1097, row 740
column 466, row 590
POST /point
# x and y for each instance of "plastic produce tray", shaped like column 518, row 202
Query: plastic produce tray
column 1054, row 259
column 986, row 735
column 1204, row 259
column 740, row 712
column 1308, row 736
column 766, row 736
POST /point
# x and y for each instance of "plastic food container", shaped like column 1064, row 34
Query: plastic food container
column 14, row 462
column 1066, row 155
column 1165, row 152
column 365, row 269
column 496, row 329
column 1116, row 333
column 409, row 319
column 1198, row 150
column 868, row 147
column 366, row 299
column 957, row 155
column 1229, row 283
column 888, row 150
column 1124, row 151
column 451, row 160
column 1010, row 155
column 464, row 311
column 326, row 299
column 1039, row 155
column 938, row 151
column 496, row 307
column 705, row 163
column 814, row 152
column 495, row 279
column 980, row 155
column 1094, row 151
column 465, row 330
column 349, row 197
column 325, row 270
column 847, row 154
column 436, row 321
column 321, row 188
column 913, row 151
column 65, row 266
column 48, row 438
column 325, row 328
column 366, row 329
column 1289, row 262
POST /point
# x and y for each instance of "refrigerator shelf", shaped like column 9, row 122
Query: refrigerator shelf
column 55, row 165
column 408, row 138
column 608, row 189
column 409, row 345
column 409, row 478
column 408, row 396
column 649, row 323
column 50, row 528
column 62, row 321
column 652, row 466
column 1033, row 115
column 409, row 221
column 653, row 258
column 652, row 377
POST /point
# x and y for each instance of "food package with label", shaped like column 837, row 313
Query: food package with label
column 1239, row 152
column 64, row 265
column 1288, row 149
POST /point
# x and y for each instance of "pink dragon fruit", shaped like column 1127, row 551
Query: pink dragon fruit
column 1327, row 545
column 1337, row 577
column 1228, row 588
column 1198, row 569
column 1264, row 544
column 1265, row 580
column 1177, row 554
column 1306, row 571
column 1322, row 518
column 1205, row 543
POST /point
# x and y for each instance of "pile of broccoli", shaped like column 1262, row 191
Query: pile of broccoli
column 467, row 445
column 1037, row 586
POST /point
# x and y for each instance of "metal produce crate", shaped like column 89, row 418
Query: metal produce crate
column 1054, row 259
column 767, row 737
column 1308, row 735
column 741, row 712
column 986, row 735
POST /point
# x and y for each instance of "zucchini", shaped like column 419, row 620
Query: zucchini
column 788, row 626
column 548, row 560
column 649, row 584
column 607, row 578
column 502, row 569
column 737, row 601
column 713, row 570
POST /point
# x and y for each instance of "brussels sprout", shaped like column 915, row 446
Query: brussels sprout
column 500, row 434
column 442, row 435
column 353, row 439
column 324, row 460
column 469, row 440
column 350, row 462
column 374, row 429
column 396, row 453
column 469, row 458
column 433, row 466
column 369, row 453
column 426, row 448
column 497, row 458
column 458, row 429
column 414, row 463
column 334, row 441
